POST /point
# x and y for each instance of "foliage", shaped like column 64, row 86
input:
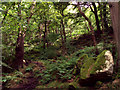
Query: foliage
column 42, row 25
column 7, row 77
column 58, row 69
column 5, row 65
column 86, row 50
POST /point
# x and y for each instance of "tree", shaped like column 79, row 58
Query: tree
column 61, row 7
column 96, row 17
column 89, row 22
column 104, row 15
column 90, row 25
column 115, row 16
column 19, row 55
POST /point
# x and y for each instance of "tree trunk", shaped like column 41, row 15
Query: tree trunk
column 115, row 16
column 19, row 55
column 104, row 15
column 64, row 38
column 90, row 26
column 70, row 32
column 19, row 50
column 44, row 37
column 40, row 28
column 63, row 42
column 56, row 30
column 101, row 16
column 102, row 24
column 96, row 18
column 63, row 28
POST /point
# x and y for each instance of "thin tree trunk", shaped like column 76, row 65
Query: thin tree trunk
column 101, row 20
column 63, row 42
column 101, row 16
column 44, row 37
column 63, row 28
column 64, row 38
column 56, row 30
column 70, row 32
column 87, row 26
column 104, row 19
column 48, row 31
column 90, row 26
column 40, row 28
column 96, row 18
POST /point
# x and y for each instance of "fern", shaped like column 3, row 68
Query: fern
column 5, row 65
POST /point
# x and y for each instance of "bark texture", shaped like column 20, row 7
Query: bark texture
column 115, row 16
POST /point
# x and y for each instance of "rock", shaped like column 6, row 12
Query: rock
column 97, row 69
column 86, row 68
column 79, row 63
column 107, row 62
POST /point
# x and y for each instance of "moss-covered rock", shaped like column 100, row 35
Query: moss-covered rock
column 104, row 63
column 100, row 63
column 79, row 63
column 94, row 68
column 86, row 68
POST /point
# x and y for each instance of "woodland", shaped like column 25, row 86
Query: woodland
column 60, row 45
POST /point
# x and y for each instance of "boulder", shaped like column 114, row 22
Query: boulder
column 104, row 63
column 97, row 69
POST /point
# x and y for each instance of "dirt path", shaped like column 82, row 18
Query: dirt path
column 30, row 81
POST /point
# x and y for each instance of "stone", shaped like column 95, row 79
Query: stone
column 108, row 62
column 97, row 69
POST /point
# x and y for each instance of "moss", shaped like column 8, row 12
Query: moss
column 55, row 84
column 82, row 58
column 86, row 68
column 100, row 62
column 76, row 71
column 74, row 84
column 80, row 62
column 89, row 65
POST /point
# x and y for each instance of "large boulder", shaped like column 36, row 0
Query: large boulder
column 104, row 63
column 96, row 69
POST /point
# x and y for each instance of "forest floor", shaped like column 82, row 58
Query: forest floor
column 30, row 81
column 31, row 75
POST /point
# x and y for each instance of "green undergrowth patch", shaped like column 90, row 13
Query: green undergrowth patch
column 57, row 70
column 54, row 84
